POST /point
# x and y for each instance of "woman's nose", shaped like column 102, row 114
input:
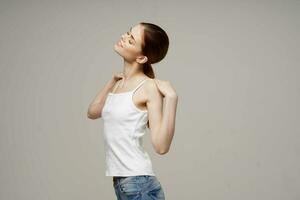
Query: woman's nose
column 123, row 37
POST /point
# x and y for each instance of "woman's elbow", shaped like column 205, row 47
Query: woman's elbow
column 93, row 114
column 90, row 116
column 162, row 151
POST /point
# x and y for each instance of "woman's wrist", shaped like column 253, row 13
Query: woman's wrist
column 112, row 81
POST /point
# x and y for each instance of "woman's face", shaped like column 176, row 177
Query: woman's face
column 129, row 46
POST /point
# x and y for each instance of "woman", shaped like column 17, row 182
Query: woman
column 129, row 103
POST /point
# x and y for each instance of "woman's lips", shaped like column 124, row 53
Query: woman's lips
column 120, row 43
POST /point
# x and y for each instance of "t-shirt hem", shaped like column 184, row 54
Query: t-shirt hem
column 134, row 174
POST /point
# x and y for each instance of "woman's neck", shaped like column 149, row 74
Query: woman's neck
column 132, row 71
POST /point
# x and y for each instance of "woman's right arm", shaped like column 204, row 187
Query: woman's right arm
column 95, row 107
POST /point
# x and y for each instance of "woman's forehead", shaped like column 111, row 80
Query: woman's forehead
column 137, row 33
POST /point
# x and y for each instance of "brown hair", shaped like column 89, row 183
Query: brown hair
column 155, row 46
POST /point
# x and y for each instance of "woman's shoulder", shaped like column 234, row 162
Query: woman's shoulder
column 150, row 86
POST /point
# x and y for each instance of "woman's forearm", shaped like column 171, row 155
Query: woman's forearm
column 167, row 128
column 95, row 107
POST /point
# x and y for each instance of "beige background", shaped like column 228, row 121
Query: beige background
column 234, row 65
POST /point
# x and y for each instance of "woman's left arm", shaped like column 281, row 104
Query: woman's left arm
column 164, row 126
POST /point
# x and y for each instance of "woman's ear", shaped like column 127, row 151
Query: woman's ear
column 142, row 59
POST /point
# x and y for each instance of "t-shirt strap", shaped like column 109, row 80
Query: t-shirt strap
column 141, row 83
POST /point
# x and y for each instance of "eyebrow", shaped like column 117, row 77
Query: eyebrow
column 131, row 34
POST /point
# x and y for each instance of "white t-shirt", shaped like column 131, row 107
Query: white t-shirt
column 124, row 126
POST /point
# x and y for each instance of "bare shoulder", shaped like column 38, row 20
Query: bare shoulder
column 150, row 85
column 152, row 89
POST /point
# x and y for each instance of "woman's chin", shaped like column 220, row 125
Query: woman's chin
column 117, row 50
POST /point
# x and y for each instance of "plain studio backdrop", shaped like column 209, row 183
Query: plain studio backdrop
column 233, row 64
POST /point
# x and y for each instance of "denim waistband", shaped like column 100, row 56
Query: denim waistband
column 118, row 177
column 137, row 178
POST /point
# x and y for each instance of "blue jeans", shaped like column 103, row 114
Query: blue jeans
column 142, row 187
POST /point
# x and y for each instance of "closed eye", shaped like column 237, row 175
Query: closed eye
column 130, row 40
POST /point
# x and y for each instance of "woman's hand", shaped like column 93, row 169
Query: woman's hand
column 165, row 88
